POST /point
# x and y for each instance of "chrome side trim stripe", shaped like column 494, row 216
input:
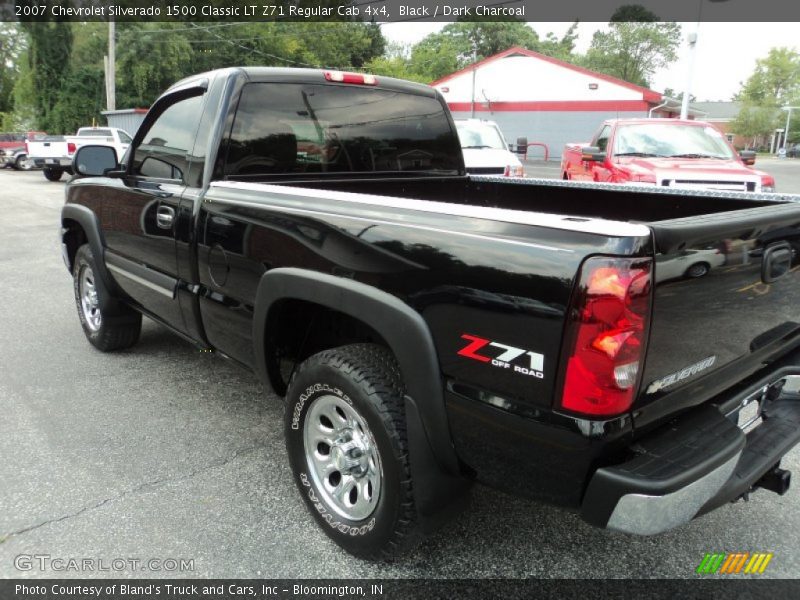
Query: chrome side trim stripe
column 596, row 226
column 157, row 282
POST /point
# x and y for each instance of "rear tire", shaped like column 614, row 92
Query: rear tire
column 346, row 439
column 107, row 323
column 698, row 270
column 52, row 174
column 23, row 163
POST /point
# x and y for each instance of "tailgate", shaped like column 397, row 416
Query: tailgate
column 725, row 303
column 50, row 148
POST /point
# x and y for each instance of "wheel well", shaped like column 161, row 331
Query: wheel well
column 74, row 237
column 297, row 329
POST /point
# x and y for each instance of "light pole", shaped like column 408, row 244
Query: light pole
column 692, row 39
column 788, row 109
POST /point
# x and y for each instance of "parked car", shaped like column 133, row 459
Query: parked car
column 15, row 140
column 664, row 152
column 691, row 263
column 485, row 149
column 15, row 158
column 54, row 154
column 793, row 151
column 426, row 328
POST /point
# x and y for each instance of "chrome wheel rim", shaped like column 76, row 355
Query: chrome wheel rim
column 342, row 457
column 90, row 305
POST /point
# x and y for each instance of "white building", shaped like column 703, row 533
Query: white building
column 546, row 100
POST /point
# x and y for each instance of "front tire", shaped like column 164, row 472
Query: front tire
column 52, row 174
column 346, row 440
column 107, row 323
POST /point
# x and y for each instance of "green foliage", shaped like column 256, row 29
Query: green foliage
column 63, row 84
column 49, row 59
column 755, row 122
column 633, row 51
column 81, row 100
column 150, row 58
column 775, row 81
column 12, row 45
column 458, row 44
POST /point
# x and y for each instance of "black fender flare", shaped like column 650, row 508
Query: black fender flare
column 90, row 224
column 434, row 464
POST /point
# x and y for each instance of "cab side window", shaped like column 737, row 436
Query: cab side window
column 165, row 150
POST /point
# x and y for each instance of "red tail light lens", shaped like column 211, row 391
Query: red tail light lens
column 71, row 148
column 606, row 335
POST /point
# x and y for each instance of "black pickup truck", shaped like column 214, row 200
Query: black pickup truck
column 629, row 353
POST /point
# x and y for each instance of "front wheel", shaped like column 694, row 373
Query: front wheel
column 346, row 440
column 52, row 174
column 107, row 323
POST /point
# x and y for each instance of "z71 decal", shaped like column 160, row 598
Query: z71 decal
column 503, row 356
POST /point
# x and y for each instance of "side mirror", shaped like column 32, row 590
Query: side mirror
column 94, row 161
column 522, row 145
column 748, row 157
column 592, row 154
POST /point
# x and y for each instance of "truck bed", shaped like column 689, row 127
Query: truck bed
column 727, row 316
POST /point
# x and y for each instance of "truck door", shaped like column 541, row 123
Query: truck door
column 140, row 233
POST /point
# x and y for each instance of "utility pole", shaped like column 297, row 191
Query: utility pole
column 474, row 60
column 110, row 67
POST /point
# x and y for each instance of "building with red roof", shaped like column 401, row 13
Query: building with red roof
column 546, row 100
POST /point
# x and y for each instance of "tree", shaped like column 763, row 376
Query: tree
column 49, row 57
column 150, row 58
column 755, row 122
column 775, row 81
column 460, row 43
column 633, row 50
column 12, row 45
column 670, row 93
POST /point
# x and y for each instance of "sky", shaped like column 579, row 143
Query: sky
column 725, row 56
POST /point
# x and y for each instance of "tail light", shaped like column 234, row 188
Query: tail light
column 357, row 78
column 606, row 335
column 514, row 171
column 71, row 148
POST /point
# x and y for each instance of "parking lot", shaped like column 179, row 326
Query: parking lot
column 162, row 452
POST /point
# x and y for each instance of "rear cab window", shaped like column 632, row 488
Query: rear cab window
column 290, row 130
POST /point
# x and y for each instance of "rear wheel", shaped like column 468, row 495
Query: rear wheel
column 107, row 323
column 23, row 163
column 52, row 174
column 698, row 270
column 346, row 439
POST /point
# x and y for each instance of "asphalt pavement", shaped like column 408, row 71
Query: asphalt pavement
column 162, row 452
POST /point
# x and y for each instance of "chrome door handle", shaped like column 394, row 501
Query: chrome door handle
column 164, row 217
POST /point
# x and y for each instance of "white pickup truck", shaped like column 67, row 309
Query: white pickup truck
column 54, row 153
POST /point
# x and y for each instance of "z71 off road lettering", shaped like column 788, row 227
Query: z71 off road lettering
column 503, row 360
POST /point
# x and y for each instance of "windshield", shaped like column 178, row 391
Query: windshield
column 669, row 139
column 479, row 135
